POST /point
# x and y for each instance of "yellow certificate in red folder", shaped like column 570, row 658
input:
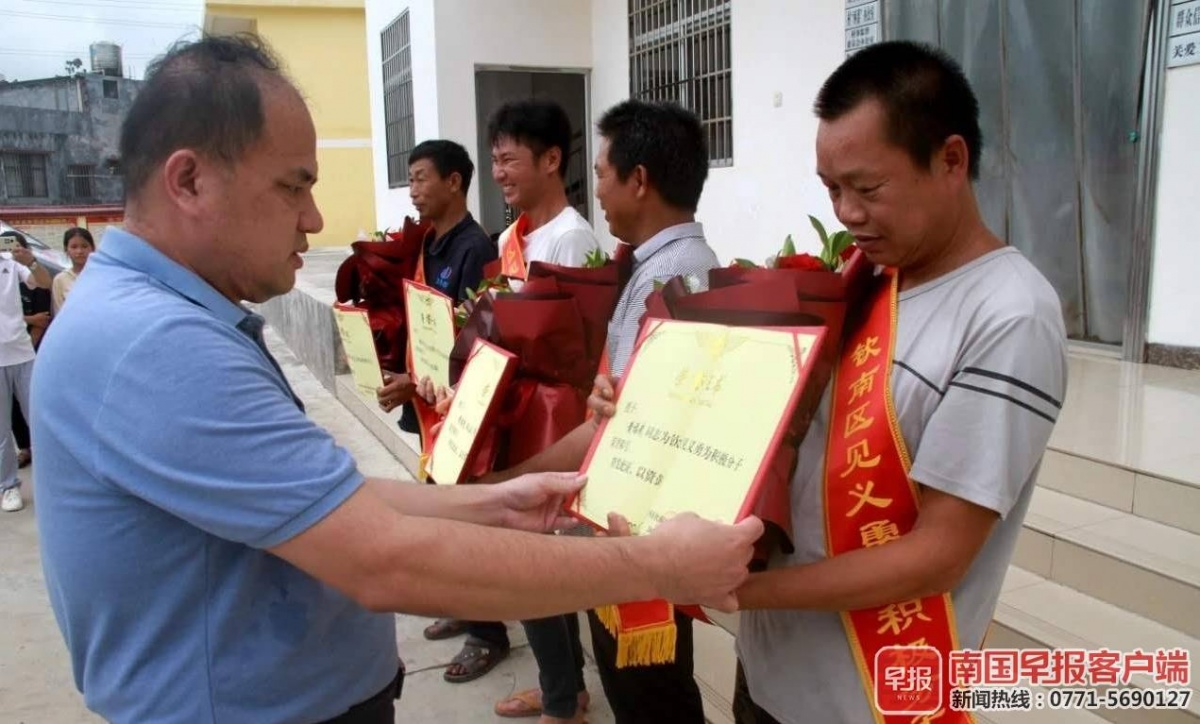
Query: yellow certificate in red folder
column 430, row 316
column 476, row 401
column 354, row 328
column 700, row 411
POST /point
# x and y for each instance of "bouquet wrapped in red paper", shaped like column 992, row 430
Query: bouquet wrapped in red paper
column 372, row 278
column 837, row 276
column 794, row 290
column 557, row 326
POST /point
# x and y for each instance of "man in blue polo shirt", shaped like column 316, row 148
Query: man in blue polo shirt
column 211, row 555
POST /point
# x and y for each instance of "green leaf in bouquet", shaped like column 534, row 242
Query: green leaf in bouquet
column 838, row 243
column 745, row 263
column 499, row 283
column 789, row 246
column 659, row 285
column 595, row 259
column 820, row 228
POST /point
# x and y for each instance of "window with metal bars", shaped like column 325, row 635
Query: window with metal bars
column 679, row 51
column 398, row 122
column 79, row 180
column 24, row 175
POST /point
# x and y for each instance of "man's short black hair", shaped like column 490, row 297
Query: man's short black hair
column 204, row 95
column 667, row 140
column 923, row 91
column 447, row 157
column 537, row 123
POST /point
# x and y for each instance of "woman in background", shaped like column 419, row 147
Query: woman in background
column 79, row 245
column 35, row 306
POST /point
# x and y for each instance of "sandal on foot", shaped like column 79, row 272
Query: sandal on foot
column 521, row 704
column 528, row 703
column 445, row 628
column 476, row 659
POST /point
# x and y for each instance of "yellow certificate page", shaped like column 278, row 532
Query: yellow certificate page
column 430, row 333
column 357, row 341
column 699, row 409
column 480, row 380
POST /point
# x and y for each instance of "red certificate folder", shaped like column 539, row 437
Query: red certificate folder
column 482, row 440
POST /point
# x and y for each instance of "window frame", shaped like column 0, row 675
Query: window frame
column 398, row 109
column 681, row 51
column 81, row 181
column 21, row 166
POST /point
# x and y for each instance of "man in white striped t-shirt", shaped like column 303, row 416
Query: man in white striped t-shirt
column 650, row 172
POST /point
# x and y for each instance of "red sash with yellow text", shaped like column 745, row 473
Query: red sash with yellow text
column 870, row 499
column 512, row 249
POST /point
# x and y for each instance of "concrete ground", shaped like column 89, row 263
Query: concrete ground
column 36, row 685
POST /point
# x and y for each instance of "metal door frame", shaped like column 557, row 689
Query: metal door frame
column 1142, row 255
column 1133, row 338
column 588, row 149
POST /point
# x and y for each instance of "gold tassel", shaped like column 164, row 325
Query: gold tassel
column 646, row 647
column 610, row 616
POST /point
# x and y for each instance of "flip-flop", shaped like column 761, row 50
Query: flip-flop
column 477, row 657
column 528, row 703
column 445, row 628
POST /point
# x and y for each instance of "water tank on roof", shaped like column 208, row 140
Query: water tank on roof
column 106, row 59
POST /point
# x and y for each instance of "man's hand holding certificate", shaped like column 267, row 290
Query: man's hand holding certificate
column 701, row 410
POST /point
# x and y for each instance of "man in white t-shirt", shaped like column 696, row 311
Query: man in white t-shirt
column 531, row 143
column 16, row 356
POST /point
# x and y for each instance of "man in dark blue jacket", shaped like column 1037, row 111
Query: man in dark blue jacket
column 439, row 175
